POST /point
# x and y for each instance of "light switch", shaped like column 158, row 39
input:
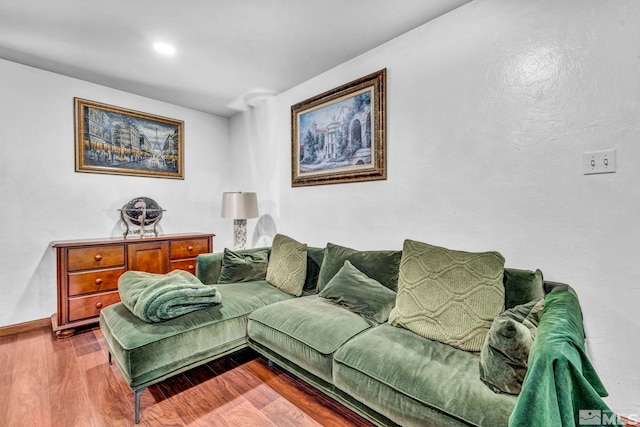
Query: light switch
column 594, row 162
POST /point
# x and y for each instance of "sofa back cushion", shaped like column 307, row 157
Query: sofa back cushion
column 448, row 296
column 379, row 265
column 243, row 266
column 314, row 261
column 522, row 286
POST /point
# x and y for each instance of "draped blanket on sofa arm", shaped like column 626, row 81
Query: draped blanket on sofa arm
column 561, row 385
column 158, row 297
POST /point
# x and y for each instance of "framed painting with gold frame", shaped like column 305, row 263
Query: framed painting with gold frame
column 339, row 135
column 119, row 141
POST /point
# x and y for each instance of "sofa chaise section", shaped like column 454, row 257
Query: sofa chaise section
column 147, row 353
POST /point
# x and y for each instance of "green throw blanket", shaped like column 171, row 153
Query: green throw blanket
column 561, row 387
column 157, row 297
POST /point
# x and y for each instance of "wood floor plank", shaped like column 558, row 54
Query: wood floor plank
column 28, row 399
column 247, row 415
column 109, row 403
column 85, row 343
column 250, row 387
column 189, row 400
column 7, row 364
column 70, row 405
column 156, row 410
column 285, row 414
column 219, row 393
column 308, row 400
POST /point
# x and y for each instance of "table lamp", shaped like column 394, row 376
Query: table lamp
column 239, row 206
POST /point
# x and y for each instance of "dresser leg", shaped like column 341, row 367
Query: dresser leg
column 65, row 333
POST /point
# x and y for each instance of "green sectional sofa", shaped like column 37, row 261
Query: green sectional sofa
column 385, row 372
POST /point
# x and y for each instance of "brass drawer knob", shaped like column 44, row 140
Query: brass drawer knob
column 190, row 248
column 190, row 267
column 98, row 257
column 98, row 281
column 98, row 305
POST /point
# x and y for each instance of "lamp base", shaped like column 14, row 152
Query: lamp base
column 239, row 233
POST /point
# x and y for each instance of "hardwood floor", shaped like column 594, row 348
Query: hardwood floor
column 45, row 381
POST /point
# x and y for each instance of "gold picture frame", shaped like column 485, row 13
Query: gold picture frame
column 119, row 141
column 339, row 136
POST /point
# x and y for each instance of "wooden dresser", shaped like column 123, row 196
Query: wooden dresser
column 88, row 271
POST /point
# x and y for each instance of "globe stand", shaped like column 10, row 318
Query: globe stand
column 141, row 217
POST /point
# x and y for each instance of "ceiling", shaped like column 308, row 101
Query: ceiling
column 230, row 54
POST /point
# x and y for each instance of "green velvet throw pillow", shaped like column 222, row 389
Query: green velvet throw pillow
column 379, row 265
column 522, row 286
column 357, row 292
column 314, row 261
column 287, row 267
column 448, row 296
column 243, row 266
column 505, row 353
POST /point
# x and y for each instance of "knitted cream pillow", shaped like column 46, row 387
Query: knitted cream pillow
column 448, row 296
column 287, row 267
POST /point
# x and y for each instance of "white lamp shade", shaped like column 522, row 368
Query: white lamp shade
column 239, row 205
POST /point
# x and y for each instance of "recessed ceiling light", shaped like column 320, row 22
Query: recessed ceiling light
column 163, row 48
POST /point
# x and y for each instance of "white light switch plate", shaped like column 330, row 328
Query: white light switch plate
column 594, row 162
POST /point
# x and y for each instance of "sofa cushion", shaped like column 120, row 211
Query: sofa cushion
column 305, row 330
column 243, row 266
column 314, row 261
column 287, row 267
column 379, row 265
column 505, row 353
column 449, row 296
column 522, row 286
column 352, row 289
column 147, row 352
column 413, row 372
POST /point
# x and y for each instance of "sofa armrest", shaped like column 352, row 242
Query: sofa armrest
column 208, row 267
column 556, row 286
column 560, row 380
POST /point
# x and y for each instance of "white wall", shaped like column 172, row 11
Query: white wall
column 43, row 199
column 489, row 110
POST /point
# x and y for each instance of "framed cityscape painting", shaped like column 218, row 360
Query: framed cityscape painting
column 339, row 136
column 115, row 140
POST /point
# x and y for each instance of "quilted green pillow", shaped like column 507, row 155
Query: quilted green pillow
column 287, row 267
column 522, row 286
column 357, row 292
column 448, row 296
column 243, row 266
column 505, row 354
column 379, row 265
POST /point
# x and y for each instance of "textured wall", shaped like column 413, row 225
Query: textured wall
column 43, row 199
column 489, row 111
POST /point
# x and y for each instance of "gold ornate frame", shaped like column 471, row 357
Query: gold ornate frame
column 339, row 135
column 114, row 140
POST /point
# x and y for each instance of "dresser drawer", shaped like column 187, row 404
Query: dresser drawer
column 90, row 306
column 95, row 257
column 95, row 281
column 188, row 248
column 185, row 264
